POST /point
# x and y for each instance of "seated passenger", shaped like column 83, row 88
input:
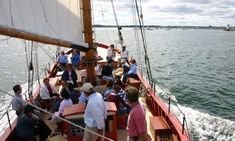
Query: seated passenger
column 122, row 106
column 109, row 89
column 125, row 66
column 63, row 104
column 28, row 127
column 48, row 92
column 107, row 71
column 66, row 102
column 132, row 72
column 69, row 75
column 121, row 92
column 73, row 94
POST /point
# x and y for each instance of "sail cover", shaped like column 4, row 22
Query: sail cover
column 58, row 19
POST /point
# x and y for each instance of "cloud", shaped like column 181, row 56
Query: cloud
column 181, row 9
column 195, row 1
column 166, row 12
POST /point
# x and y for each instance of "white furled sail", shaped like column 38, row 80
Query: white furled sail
column 56, row 19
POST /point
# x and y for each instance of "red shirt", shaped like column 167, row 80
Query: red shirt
column 136, row 124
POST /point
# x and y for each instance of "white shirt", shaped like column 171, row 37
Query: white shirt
column 44, row 93
column 95, row 112
column 124, row 54
column 64, row 103
column 110, row 52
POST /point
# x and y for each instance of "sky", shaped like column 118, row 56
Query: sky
column 167, row 12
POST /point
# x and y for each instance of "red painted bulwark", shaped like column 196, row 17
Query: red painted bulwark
column 162, row 110
column 8, row 133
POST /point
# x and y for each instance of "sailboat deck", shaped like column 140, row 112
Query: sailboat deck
column 122, row 133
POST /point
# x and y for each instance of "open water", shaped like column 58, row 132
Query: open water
column 197, row 67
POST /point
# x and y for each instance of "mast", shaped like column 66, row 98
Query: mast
column 90, row 55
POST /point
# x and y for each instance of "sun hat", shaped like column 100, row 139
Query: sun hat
column 123, row 61
column 87, row 87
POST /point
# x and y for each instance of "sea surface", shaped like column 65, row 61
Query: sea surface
column 197, row 67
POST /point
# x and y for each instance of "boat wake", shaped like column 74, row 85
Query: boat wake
column 202, row 126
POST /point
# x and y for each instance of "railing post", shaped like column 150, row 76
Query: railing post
column 45, row 69
column 154, row 86
column 169, row 104
column 8, row 118
column 183, row 124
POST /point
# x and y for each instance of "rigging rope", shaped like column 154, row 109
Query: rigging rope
column 30, row 73
column 11, row 13
column 27, row 61
column 139, row 58
column 149, row 74
column 119, row 28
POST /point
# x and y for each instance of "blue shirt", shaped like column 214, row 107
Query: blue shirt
column 133, row 69
column 95, row 112
column 83, row 98
column 62, row 59
column 75, row 59
column 18, row 103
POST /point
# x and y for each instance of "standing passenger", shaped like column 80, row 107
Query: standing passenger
column 124, row 53
column 62, row 60
column 111, row 53
column 18, row 102
column 136, row 124
column 95, row 113
column 75, row 59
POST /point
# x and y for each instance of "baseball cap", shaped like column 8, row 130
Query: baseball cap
column 87, row 87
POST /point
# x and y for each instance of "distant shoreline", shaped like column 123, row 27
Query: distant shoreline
column 166, row 27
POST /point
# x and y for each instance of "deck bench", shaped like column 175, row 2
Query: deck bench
column 160, row 129
column 133, row 82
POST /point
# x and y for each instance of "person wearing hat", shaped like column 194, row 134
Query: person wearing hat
column 95, row 113
column 111, row 53
column 124, row 53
